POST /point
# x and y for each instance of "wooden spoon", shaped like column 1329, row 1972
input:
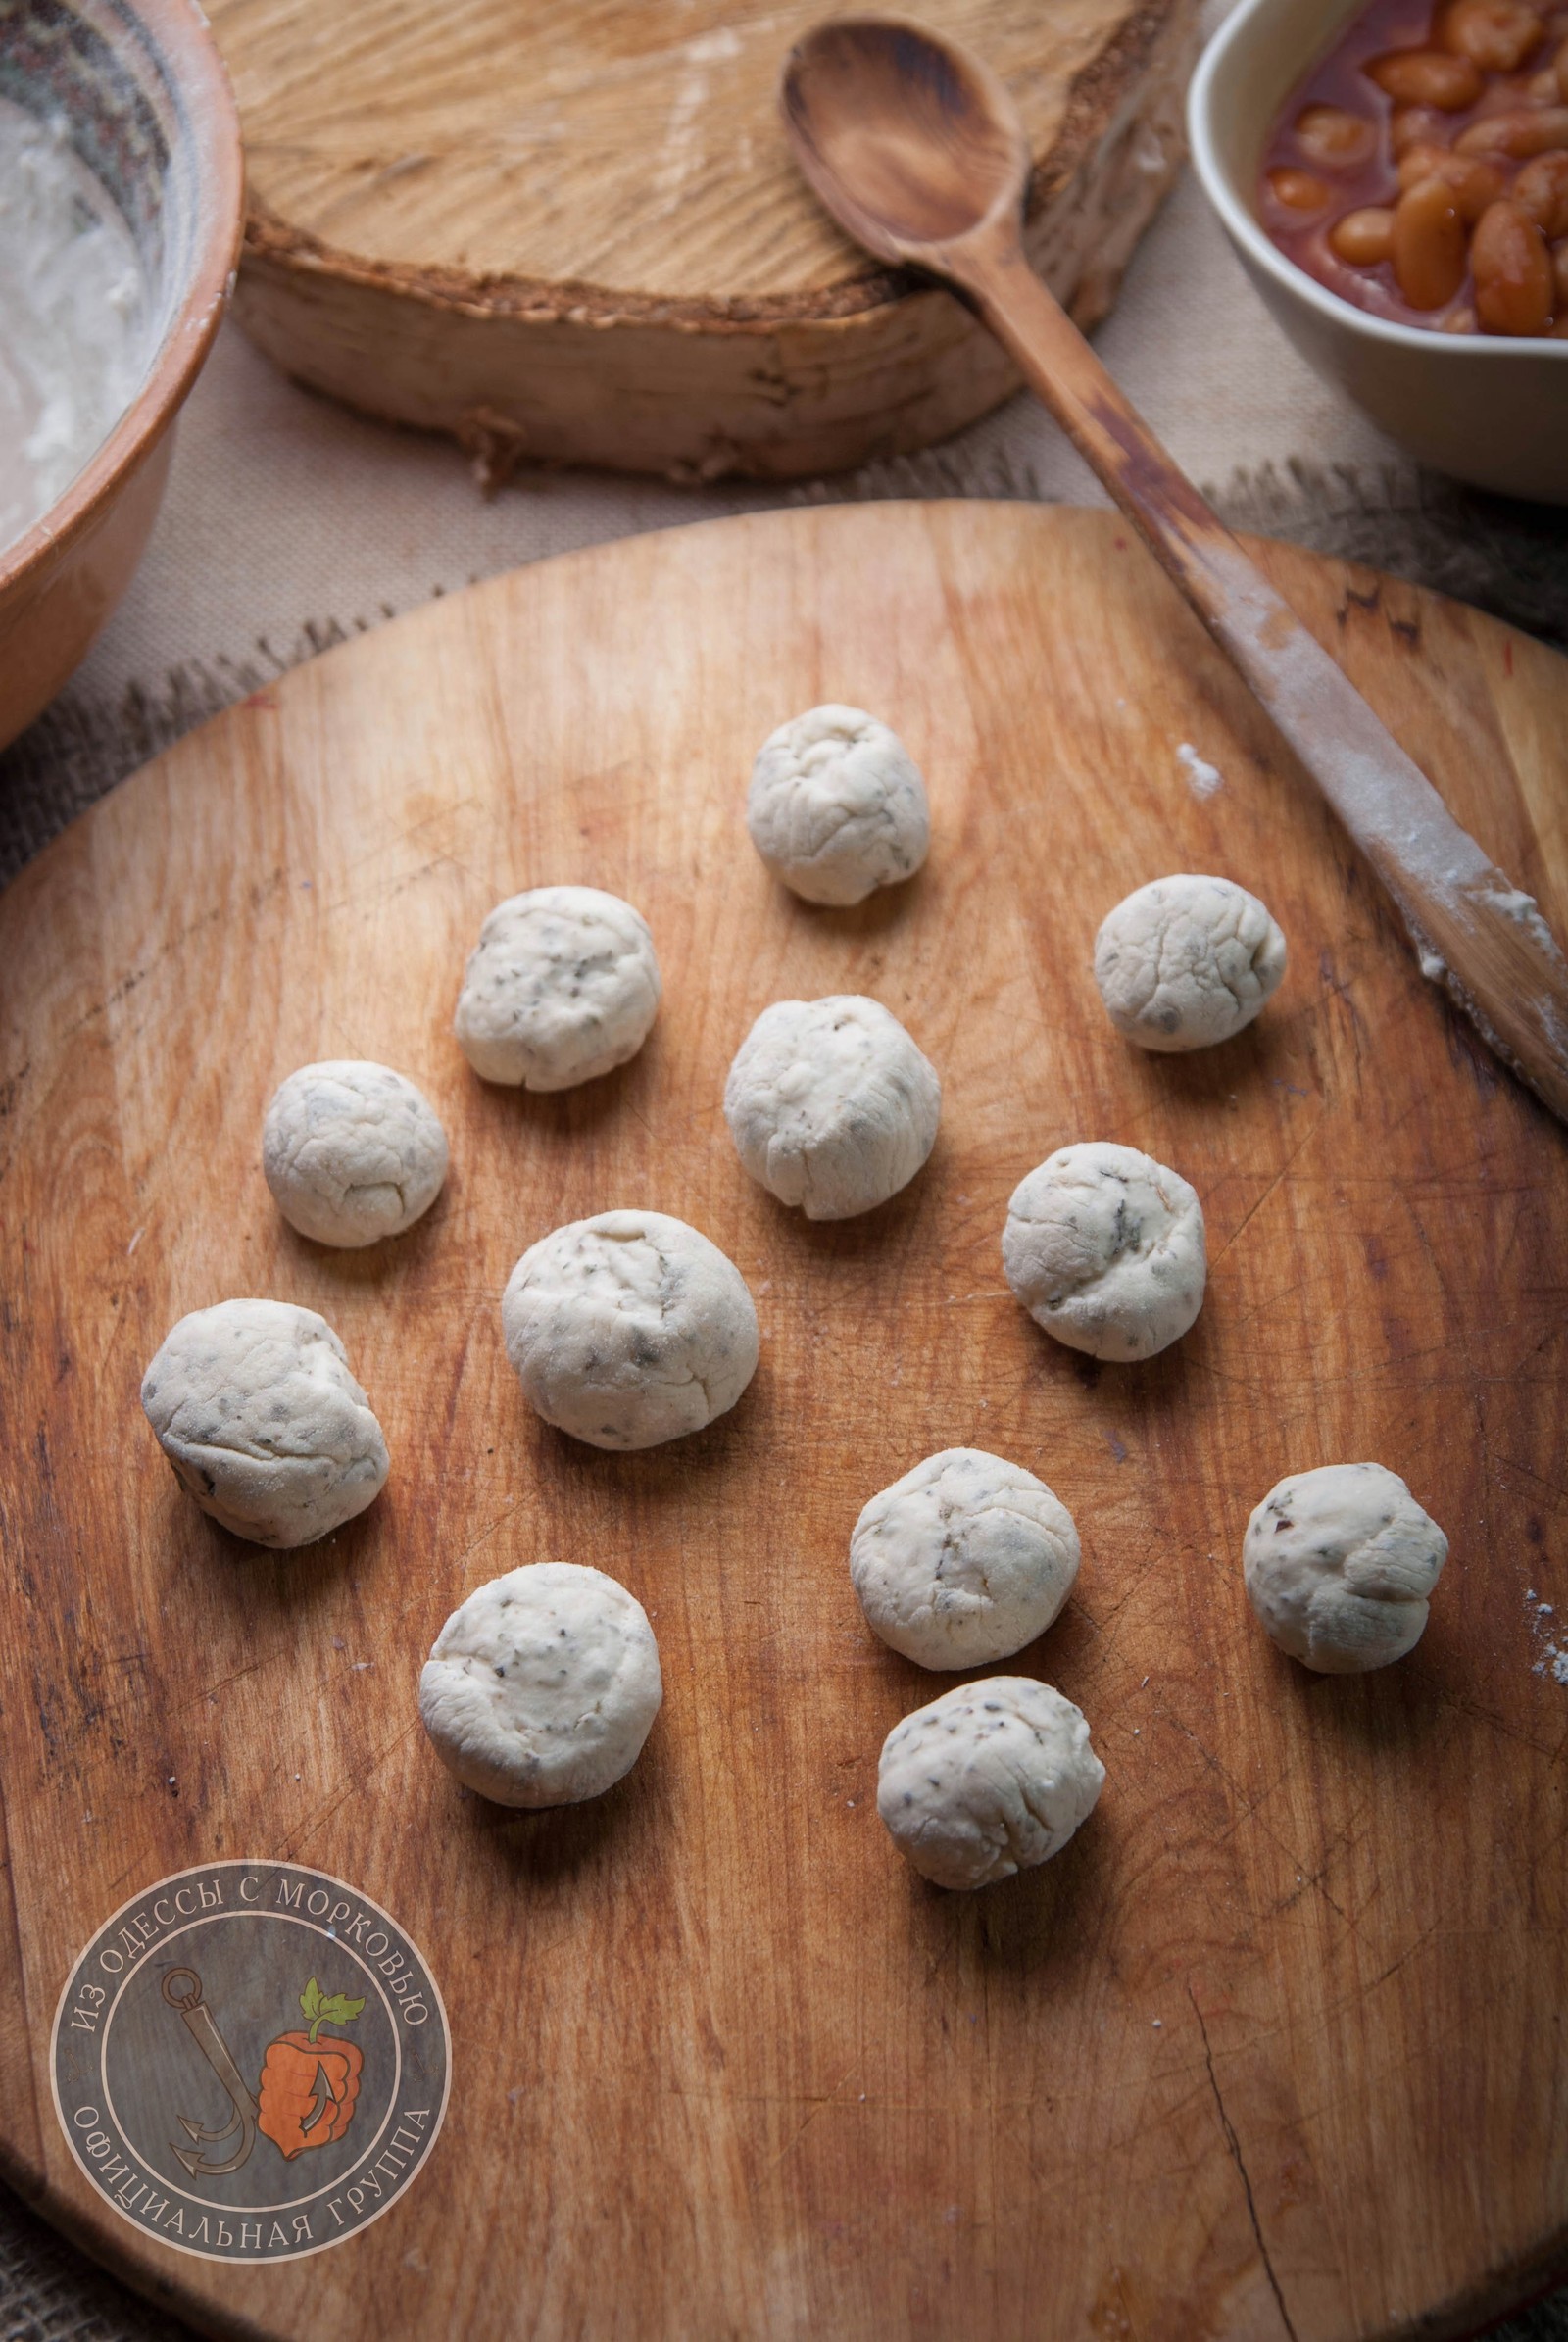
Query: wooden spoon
column 917, row 149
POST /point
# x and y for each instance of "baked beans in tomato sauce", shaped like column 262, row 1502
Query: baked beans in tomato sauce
column 1421, row 168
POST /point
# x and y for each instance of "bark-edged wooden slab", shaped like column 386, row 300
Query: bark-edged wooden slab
column 1271, row 2049
column 573, row 233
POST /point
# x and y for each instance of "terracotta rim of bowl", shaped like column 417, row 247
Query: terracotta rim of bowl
column 1247, row 231
column 178, row 32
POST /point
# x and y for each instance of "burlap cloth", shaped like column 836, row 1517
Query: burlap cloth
column 290, row 525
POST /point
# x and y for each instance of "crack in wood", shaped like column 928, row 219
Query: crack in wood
column 1235, row 2146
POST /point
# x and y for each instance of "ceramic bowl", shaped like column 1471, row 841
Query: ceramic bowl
column 1483, row 409
column 147, row 106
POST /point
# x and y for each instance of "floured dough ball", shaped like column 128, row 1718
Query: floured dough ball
column 963, row 1560
column 837, row 806
column 1187, row 961
column 629, row 1329
column 351, row 1151
column 561, row 987
column 1104, row 1249
column 1338, row 1565
column 543, row 1686
column 990, row 1779
column 831, row 1105
column 254, row 1407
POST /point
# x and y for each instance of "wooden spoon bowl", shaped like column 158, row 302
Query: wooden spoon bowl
column 901, row 135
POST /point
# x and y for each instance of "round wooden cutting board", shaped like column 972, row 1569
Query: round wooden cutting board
column 1274, row 2048
column 573, row 233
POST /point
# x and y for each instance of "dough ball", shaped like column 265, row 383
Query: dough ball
column 837, row 806
column 351, row 1151
column 561, row 987
column 1338, row 1565
column 1187, row 961
column 543, row 1686
column 963, row 1560
column 629, row 1329
column 831, row 1105
column 254, row 1407
column 990, row 1779
column 1104, row 1249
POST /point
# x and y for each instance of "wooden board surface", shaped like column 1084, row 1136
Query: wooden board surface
column 574, row 232
column 1273, row 2049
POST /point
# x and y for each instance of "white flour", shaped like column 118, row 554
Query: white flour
column 1203, row 779
column 74, row 329
column 1552, row 1659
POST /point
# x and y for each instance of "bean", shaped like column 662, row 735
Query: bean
column 1542, row 130
column 1415, row 125
column 1474, row 182
column 1512, row 271
column 1549, row 84
column 1296, row 190
column 1429, row 254
column 1365, row 237
column 1420, row 161
column 1559, row 279
column 1542, row 190
column 1495, row 34
column 1331, row 137
column 1427, row 77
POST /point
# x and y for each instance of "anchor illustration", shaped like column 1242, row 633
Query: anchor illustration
column 182, row 1989
column 308, row 2085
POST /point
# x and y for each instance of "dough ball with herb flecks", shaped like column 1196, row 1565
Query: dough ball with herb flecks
column 543, row 1686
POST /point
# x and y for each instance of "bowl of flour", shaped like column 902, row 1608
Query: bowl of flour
column 120, row 206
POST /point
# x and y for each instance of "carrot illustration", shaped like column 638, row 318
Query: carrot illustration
column 309, row 2087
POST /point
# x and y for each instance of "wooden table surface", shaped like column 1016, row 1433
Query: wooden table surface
column 1274, row 2047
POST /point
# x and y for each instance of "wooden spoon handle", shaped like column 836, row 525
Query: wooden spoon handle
column 1472, row 928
